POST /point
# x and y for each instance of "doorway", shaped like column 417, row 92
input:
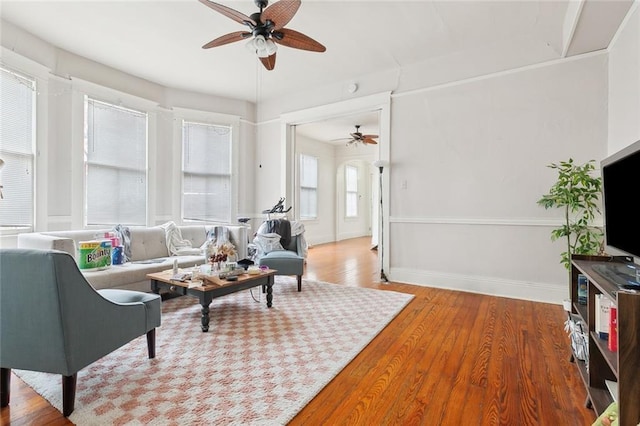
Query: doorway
column 342, row 114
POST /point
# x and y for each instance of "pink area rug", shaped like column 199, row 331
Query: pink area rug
column 255, row 366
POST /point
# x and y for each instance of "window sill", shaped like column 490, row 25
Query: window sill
column 14, row 230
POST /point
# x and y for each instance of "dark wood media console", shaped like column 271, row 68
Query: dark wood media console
column 623, row 365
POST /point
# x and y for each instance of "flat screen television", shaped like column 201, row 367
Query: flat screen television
column 620, row 183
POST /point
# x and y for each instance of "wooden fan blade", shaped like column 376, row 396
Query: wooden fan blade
column 227, row 38
column 369, row 141
column 280, row 13
column 292, row 38
column 229, row 13
column 370, row 136
column 269, row 62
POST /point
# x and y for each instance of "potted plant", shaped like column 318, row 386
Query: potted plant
column 577, row 191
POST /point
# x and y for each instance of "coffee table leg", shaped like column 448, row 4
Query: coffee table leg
column 205, row 301
column 269, row 291
column 205, row 317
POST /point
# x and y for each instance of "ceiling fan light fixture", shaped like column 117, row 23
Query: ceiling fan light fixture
column 261, row 46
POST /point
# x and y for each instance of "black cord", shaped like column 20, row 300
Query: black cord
column 254, row 298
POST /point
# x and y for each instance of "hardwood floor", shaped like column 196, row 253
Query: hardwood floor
column 449, row 358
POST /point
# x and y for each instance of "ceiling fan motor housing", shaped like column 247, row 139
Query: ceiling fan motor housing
column 261, row 29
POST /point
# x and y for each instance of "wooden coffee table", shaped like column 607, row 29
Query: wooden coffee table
column 212, row 287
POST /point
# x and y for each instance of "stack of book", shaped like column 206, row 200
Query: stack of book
column 606, row 321
column 603, row 307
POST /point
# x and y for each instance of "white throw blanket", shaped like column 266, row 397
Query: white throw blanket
column 175, row 244
column 297, row 229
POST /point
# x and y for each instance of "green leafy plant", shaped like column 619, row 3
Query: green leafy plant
column 578, row 192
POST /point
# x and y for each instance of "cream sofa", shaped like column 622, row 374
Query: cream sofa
column 149, row 252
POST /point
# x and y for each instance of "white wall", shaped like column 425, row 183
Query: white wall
column 624, row 84
column 323, row 228
column 473, row 158
column 268, row 176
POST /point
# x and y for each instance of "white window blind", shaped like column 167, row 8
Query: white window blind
column 115, row 165
column 17, row 152
column 308, row 187
column 206, row 172
column 351, row 183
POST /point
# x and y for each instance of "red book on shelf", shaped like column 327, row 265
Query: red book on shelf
column 613, row 328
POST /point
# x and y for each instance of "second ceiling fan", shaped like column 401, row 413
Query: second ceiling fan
column 357, row 137
column 266, row 29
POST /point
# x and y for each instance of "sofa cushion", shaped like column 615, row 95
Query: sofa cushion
column 284, row 261
column 197, row 234
column 148, row 243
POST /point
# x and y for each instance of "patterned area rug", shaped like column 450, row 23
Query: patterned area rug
column 255, row 366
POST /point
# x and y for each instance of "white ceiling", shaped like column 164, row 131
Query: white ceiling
column 161, row 40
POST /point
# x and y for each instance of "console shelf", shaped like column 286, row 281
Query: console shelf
column 623, row 365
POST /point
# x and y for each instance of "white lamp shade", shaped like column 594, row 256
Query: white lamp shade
column 261, row 46
column 380, row 163
column 260, row 43
column 271, row 47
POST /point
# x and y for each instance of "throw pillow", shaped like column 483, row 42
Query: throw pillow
column 124, row 235
column 266, row 243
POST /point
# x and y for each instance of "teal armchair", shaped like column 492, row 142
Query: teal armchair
column 288, row 258
column 289, row 261
column 52, row 320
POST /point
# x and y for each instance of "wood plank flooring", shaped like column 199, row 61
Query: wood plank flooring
column 449, row 358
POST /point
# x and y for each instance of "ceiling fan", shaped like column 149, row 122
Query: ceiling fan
column 266, row 28
column 359, row 137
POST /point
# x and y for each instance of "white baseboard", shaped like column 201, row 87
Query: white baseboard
column 350, row 235
column 537, row 292
column 320, row 239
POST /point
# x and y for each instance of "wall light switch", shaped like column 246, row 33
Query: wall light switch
column 404, row 184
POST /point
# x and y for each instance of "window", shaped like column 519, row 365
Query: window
column 17, row 149
column 308, row 187
column 115, row 165
column 206, row 172
column 351, row 183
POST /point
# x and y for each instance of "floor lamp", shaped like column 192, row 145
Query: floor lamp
column 381, row 164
